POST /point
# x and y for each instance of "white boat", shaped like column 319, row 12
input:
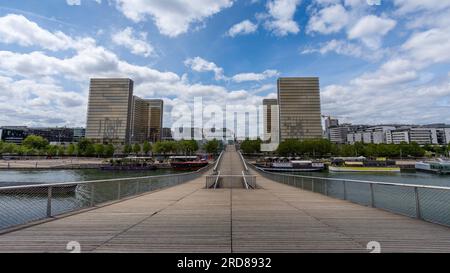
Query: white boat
column 438, row 167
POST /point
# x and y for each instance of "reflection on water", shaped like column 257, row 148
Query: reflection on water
column 12, row 177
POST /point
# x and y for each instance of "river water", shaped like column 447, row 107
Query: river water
column 419, row 178
column 10, row 177
column 13, row 177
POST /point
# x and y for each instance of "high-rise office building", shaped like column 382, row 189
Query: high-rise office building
column 109, row 110
column 299, row 108
column 270, row 115
column 139, row 120
column 156, row 110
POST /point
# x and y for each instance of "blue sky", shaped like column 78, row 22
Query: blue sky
column 386, row 63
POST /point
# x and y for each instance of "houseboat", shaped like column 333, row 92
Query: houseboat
column 131, row 164
column 290, row 165
column 362, row 164
column 187, row 163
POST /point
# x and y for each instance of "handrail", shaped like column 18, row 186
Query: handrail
column 218, row 161
column 358, row 181
column 243, row 161
column 217, row 180
column 245, row 180
column 98, row 181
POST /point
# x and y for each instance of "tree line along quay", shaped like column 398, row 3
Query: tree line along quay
column 38, row 146
column 318, row 148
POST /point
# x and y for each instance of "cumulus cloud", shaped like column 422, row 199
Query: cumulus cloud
column 281, row 17
column 328, row 20
column 242, row 28
column 201, row 65
column 245, row 77
column 401, row 89
column 412, row 6
column 370, row 29
column 17, row 29
column 172, row 17
column 343, row 47
column 137, row 44
column 34, row 82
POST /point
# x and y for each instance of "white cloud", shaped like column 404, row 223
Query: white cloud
column 18, row 29
column 345, row 48
column 245, row 77
column 411, row 6
column 281, row 17
column 34, row 91
column 328, row 20
column 201, row 65
column 242, row 28
column 370, row 29
column 137, row 44
column 172, row 17
column 430, row 46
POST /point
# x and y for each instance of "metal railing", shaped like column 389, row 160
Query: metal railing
column 428, row 203
column 24, row 204
column 218, row 162
column 251, row 181
column 230, row 181
column 212, row 180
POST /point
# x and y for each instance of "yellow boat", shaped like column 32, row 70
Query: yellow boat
column 360, row 166
column 363, row 169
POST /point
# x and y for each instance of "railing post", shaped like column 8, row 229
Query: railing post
column 303, row 185
column 345, row 190
column 137, row 187
column 118, row 190
column 92, row 194
column 49, row 201
column 418, row 213
column 313, row 181
column 372, row 196
column 326, row 187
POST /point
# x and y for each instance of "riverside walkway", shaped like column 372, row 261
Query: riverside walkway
column 189, row 218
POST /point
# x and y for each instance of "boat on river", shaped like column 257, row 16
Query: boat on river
column 187, row 163
column 276, row 164
column 131, row 164
column 362, row 164
column 438, row 167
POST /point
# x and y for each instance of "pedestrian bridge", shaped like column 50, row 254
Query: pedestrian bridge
column 189, row 217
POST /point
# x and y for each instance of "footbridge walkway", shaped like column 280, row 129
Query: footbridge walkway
column 189, row 217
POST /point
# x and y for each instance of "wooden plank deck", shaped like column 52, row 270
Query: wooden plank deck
column 189, row 218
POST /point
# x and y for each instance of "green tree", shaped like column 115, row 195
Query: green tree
column 212, row 146
column 35, row 142
column 71, row 150
column 90, row 151
column 83, row 146
column 127, row 149
column 9, row 148
column 146, row 147
column 52, row 150
column 251, row 146
column 109, row 150
column 61, row 150
column 137, row 148
column 99, row 150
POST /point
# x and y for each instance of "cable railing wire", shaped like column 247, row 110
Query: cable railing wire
column 28, row 203
column 428, row 203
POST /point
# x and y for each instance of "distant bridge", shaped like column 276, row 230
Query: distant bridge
column 294, row 214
